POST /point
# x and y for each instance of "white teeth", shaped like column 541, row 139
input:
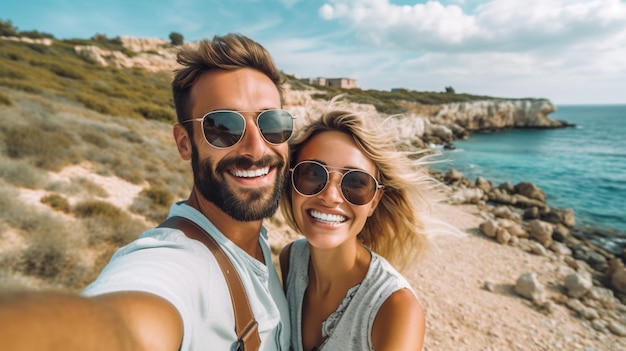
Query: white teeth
column 325, row 217
column 251, row 173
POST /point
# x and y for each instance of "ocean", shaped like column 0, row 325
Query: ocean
column 582, row 167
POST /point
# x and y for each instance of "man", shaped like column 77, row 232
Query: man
column 165, row 291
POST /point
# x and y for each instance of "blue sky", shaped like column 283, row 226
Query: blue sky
column 568, row 51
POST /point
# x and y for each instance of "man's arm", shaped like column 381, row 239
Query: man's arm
column 62, row 321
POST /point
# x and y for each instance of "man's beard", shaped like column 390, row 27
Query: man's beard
column 254, row 204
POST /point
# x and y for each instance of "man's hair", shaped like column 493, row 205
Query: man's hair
column 225, row 53
column 396, row 229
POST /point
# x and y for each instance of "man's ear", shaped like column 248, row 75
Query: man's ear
column 183, row 142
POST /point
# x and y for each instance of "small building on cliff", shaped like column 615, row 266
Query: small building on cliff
column 345, row 83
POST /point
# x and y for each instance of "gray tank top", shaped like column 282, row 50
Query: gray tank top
column 350, row 326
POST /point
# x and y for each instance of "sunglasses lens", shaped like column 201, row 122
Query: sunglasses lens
column 275, row 125
column 223, row 128
column 309, row 178
column 358, row 187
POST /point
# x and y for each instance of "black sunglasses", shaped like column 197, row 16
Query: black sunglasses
column 310, row 178
column 225, row 128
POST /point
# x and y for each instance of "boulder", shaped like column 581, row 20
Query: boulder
column 577, row 284
column 541, row 232
column 530, row 190
column 529, row 287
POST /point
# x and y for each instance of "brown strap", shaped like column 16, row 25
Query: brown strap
column 246, row 326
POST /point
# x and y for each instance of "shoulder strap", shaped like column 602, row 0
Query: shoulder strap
column 246, row 326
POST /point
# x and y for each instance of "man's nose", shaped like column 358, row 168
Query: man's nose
column 252, row 143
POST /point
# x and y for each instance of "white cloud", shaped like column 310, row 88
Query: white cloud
column 508, row 48
column 494, row 25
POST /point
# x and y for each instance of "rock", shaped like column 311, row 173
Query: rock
column 599, row 325
column 496, row 114
column 604, row 296
column 560, row 249
column 617, row 275
column 531, row 213
column 560, row 232
column 537, row 248
column 555, row 215
column 522, row 201
column 507, row 188
column 503, row 212
column 483, row 184
column 502, row 236
column 589, row 313
column 575, row 305
column 529, row 287
column 577, row 284
column 489, row 228
column 466, row 196
column 517, row 231
column 453, row 175
column 617, row 328
column 489, row 286
column 541, row 232
column 530, row 190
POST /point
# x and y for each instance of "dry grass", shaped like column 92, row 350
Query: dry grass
column 67, row 236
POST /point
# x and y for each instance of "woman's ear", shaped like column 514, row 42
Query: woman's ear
column 183, row 142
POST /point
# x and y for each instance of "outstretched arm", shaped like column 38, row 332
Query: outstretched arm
column 62, row 321
column 400, row 323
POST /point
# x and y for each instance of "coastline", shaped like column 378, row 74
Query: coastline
column 468, row 287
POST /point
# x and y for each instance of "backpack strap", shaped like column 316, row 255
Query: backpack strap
column 246, row 326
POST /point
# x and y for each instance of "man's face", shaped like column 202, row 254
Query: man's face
column 245, row 180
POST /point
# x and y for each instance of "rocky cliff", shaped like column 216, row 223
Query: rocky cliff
column 498, row 114
column 423, row 124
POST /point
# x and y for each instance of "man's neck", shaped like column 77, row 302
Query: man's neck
column 243, row 234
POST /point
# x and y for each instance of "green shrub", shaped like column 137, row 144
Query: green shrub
column 99, row 209
column 115, row 233
column 159, row 196
column 56, row 202
column 29, row 87
column 66, row 72
column 94, row 104
column 45, row 260
column 21, row 173
column 49, row 149
column 156, row 113
column 96, row 138
column 7, row 29
column 176, row 38
column 153, row 203
column 5, row 99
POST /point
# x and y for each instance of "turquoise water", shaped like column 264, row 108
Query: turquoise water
column 583, row 168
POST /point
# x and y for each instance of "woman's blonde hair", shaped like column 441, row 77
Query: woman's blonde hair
column 395, row 230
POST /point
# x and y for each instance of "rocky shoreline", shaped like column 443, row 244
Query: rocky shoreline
column 594, row 280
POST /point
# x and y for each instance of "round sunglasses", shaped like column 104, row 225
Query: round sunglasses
column 225, row 128
column 310, row 178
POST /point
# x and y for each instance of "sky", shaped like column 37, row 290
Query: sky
column 567, row 51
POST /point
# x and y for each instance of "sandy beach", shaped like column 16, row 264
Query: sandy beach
column 462, row 314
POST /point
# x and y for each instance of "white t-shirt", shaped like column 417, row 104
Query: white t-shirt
column 164, row 262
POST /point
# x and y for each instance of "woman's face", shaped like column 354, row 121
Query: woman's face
column 327, row 220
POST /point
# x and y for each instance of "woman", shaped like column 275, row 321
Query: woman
column 352, row 196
